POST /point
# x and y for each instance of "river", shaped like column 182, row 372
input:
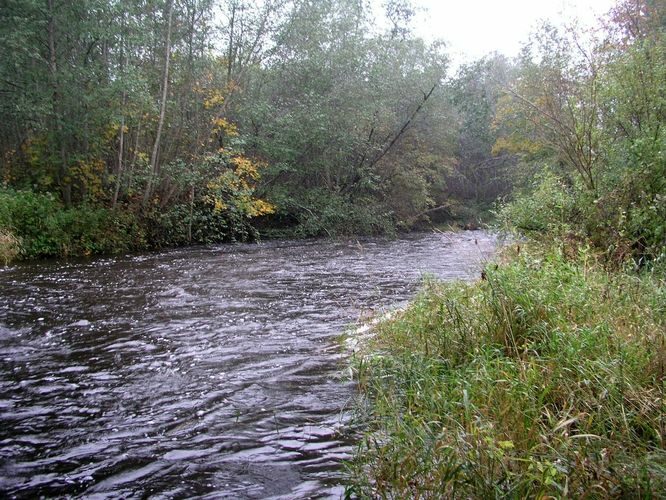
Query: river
column 211, row 372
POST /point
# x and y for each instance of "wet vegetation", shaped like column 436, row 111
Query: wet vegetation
column 545, row 378
column 127, row 125
column 178, row 122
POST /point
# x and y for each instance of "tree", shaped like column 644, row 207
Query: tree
column 333, row 106
column 592, row 114
column 557, row 96
column 480, row 174
column 154, row 157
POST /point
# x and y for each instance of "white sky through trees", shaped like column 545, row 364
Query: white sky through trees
column 473, row 28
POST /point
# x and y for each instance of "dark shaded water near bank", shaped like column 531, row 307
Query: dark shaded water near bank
column 208, row 372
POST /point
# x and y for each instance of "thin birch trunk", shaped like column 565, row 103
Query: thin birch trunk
column 154, row 158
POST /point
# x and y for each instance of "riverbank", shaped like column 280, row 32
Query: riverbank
column 545, row 378
column 36, row 226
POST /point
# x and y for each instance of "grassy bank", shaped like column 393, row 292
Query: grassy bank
column 38, row 225
column 546, row 378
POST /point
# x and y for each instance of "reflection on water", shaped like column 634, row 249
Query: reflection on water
column 212, row 371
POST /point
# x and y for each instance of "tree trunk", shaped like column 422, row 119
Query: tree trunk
column 56, row 105
column 231, row 50
column 189, row 222
column 121, row 148
column 121, row 140
column 154, row 158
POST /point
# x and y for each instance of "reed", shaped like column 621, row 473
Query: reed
column 9, row 246
column 545, row 378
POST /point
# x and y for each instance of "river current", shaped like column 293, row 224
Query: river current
column 208, row 372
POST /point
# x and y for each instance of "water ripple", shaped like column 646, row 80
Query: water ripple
column 208, row 372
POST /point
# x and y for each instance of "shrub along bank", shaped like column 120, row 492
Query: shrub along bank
column 37, row 225
column 544, row 379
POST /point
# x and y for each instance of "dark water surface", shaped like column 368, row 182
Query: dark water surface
column 208, row 372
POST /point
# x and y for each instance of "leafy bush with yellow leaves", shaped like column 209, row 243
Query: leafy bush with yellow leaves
column 234, row 188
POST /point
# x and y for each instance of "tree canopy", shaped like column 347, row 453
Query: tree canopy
column 205, row 120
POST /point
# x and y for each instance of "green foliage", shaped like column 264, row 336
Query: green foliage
column 592, row 122
column 351, row 115
column 37, row 225
column 544, row 380
column 85, row 231
column 632, row 188
column 177, row 226
column 352, row 128
column 320, row 213
column 46, row 229
column 548, row 209
column 483, row 174
column 314, row 93
column 32, row 216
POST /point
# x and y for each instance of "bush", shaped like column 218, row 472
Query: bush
column 630, row 214
column 550, row 207
column 627, row 221
column 47, row 229
column 31, row 217
column 86, row 230
column 323, row 213
column 171, row 228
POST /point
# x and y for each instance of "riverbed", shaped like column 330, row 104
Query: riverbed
column 211, row 372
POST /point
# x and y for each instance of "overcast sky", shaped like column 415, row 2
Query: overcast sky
column 474, row 28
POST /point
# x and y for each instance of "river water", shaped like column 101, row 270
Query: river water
column 214, row 372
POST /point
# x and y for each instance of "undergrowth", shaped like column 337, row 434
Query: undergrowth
column 544, row 379
column 37, row 225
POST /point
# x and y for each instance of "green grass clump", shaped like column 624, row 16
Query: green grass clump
column 544, row 379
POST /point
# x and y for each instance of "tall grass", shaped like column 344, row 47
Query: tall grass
column 9, row 246
column 544, row 379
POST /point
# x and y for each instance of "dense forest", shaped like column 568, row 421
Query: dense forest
column 131, row 124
